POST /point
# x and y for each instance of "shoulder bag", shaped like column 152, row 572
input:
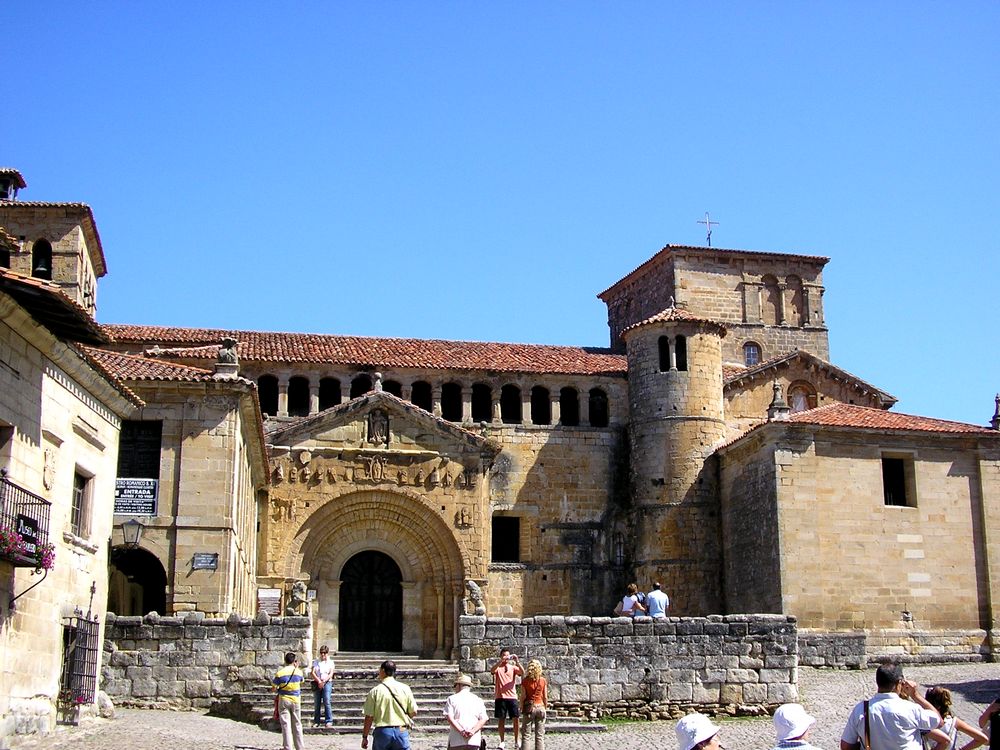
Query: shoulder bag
column 406, row 716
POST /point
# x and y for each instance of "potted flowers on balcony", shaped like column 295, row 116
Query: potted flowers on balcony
column 45, row 556
column 12, row 546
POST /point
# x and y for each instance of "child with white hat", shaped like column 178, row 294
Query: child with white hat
column 697, row 732
column 791, row 727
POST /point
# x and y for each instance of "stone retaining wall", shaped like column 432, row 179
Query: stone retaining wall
column 194, row 660
column 859, row 648
column 645, row 668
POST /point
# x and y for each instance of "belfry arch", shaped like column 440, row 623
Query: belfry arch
column 403, row 528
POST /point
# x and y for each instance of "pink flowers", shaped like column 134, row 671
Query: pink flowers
column 45, row 556
column 11, row 543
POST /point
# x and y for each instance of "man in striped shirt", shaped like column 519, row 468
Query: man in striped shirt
column 287, row 683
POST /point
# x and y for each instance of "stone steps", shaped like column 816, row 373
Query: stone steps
column 431, row 681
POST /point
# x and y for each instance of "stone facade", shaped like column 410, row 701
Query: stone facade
column 645, row 668
column 59, row 428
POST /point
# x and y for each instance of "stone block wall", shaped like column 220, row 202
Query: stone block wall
column 193, row 660
column 645, row 668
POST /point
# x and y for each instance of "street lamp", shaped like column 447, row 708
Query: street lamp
column 132, row 533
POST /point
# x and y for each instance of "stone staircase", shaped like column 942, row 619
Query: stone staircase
column 431, row 681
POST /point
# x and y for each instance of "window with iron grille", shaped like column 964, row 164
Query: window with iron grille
column 78, row 682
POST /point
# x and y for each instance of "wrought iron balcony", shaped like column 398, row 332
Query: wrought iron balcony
column 24, row 524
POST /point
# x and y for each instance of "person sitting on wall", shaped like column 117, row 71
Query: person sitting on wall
column 630, row 606
column 657, row 602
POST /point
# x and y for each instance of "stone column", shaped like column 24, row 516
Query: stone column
column 436, row 400
column 555, row 407
column 406, row 391
column 313, row 398
column 584, row 401
column 806, row 313
column 525, row 406
column 411, row 616
column 466, row 404
column 283, row 396
column 673, row 353
column 439, row 647
column 782, row 289
column 495, row 409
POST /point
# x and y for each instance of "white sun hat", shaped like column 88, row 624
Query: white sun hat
column 693, row 729
column 791, row 721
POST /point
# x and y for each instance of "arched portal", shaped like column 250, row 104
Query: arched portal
column 337, row 545
column 371, row 603
column 137, row 583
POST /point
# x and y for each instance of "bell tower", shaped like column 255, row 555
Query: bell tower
column 55, row 242
column 675, row 422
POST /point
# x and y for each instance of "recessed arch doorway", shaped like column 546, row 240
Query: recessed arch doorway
column 371, row 603
column 137, row 583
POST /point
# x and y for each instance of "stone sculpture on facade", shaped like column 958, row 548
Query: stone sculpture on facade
column 474, row 601
column 297, row 600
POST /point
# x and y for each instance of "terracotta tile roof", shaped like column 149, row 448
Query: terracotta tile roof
column 87, row 354
column 864, row 417
column 668, row 249
column 733, row 376
column 18, row 179
column 89, row 226
column 133, row 367
column 673, row 315
column 7, row 240
column 52, row 307
column 370, row 352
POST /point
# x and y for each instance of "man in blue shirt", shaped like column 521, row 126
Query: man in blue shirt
column 657, row 602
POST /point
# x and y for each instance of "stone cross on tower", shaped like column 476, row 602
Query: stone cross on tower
column 707, row 221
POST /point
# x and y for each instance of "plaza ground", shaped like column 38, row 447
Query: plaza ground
column 827, row 694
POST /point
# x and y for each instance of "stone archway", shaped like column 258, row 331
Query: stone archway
column 398, row 526
column 137, row 583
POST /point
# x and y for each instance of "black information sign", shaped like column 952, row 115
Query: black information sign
column 28, row 529
column 205, row 561
column 136, row 497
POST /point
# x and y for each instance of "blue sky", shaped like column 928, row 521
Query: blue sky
column 481, row 171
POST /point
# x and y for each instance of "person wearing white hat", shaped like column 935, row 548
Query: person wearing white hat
column 791, row 727
column 697, row 732
column 466, row 714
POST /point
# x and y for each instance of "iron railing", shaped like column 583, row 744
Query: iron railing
column 78, row 683
column 26, row 514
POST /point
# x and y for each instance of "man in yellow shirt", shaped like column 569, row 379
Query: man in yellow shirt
column 287, row 683
column 389, row 708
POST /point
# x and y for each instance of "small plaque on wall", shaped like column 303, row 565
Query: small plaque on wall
column 205, row 561
column 269, row 600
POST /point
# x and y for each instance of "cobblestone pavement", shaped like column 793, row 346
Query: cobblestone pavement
column 827, row 694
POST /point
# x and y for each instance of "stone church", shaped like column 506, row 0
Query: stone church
column 396, row 483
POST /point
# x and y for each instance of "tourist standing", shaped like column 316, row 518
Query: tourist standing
column 389, row 708
column 322, row 674
column 945, row 737
column 287, row 683
column 505, row 674
column 657, row 602
column 697, row 732
column 466, row 714
column 534, row 688
column 791, row 728
column 896, row 715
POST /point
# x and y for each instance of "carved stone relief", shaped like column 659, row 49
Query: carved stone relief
column 378, row 427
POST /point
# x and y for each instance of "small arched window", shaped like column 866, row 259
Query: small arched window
column 681, row 352
column 267, row 392
column 420, row 395
column 801, row 396
column 751, row 354
column 541, row 405
column 598, row 408
column 510, row 404
column 41, row 260
column 298, row 396
column 482, row 403
column 664, row 347
column 361, row 385
column 394, row 387
column 569, row 407
column 451, row 402
column 329, row 393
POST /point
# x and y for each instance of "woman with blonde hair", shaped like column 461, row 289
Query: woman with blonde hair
column 945, row 736
column 534, row 702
